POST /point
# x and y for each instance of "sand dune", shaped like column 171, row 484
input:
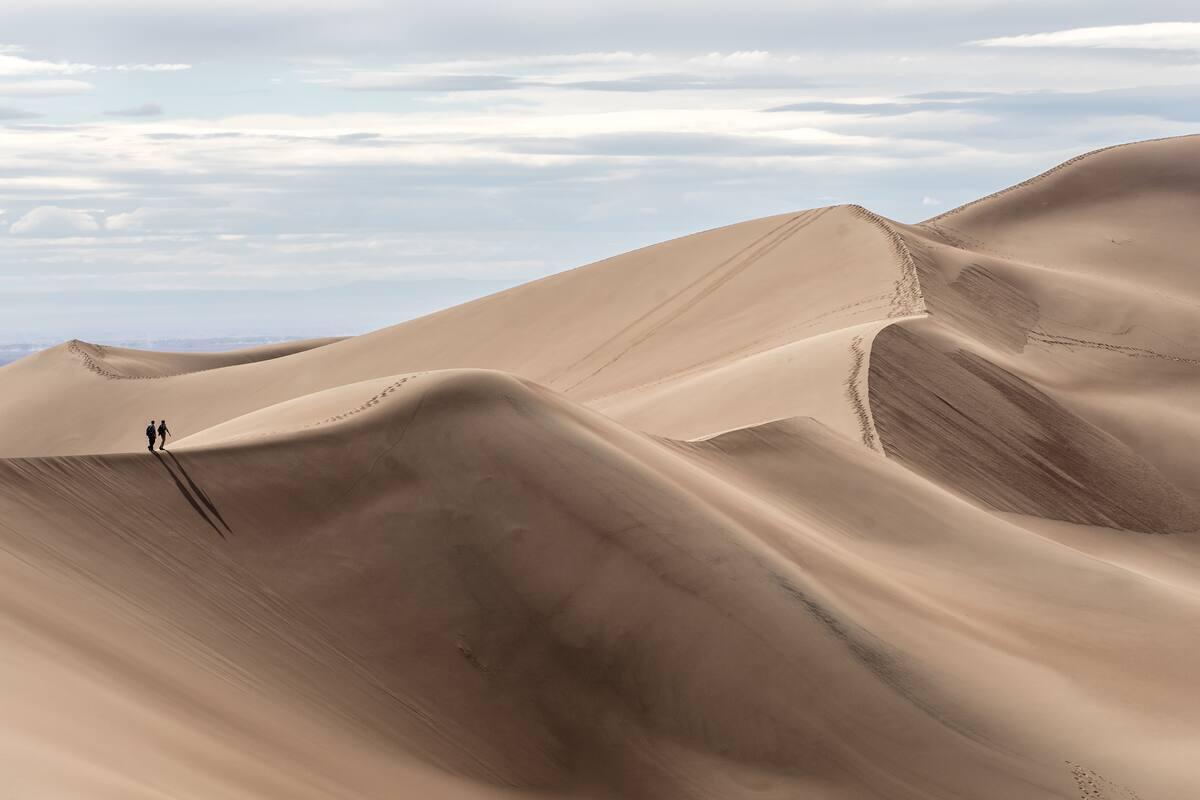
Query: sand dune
column 817, row 506
column 601, row 334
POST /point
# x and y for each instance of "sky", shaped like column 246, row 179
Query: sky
column 311, row 167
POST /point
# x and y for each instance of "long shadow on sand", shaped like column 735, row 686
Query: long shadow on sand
column 192, row 499
column 200, row 493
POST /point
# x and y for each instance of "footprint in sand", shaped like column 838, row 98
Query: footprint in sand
column 1094, row 786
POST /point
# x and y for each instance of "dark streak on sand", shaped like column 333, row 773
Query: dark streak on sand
column 874, row 654
column 192, row 501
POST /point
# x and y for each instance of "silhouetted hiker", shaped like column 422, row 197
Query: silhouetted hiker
column 163, row 433
column 150, row 436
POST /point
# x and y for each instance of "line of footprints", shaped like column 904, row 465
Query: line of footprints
column 1093, row 786
column 374, row 401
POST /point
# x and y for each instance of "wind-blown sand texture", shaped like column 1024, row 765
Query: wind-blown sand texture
column 815, row 506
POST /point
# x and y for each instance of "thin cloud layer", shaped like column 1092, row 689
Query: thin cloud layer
column 53, row 221
column 13, row 65
column 23, row 75
column 1149, row 36
column 1173, row 103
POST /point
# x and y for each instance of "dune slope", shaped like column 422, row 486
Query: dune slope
column 606, row 334
column 818, row 506
column 519, row 625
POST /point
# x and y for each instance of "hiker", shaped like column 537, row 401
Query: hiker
column 163, row 433
column 150, row 436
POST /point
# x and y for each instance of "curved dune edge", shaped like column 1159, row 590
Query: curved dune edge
column 908, row 298
column 500, row 568
column 1029, row 331
column 1028, row 182
column 613, row 335
column 154, row 364
column 848, row 365
column 832, row 388
column 302, row 415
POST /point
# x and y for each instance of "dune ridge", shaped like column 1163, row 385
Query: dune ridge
column 156, row 364
column 1028, row 182
column 821, row 505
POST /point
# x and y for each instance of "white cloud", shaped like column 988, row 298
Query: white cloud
column 1150, row 36
column 136, row 220
column 930, row 201
column 16, row 66
column 425, row 83
column 739, row 58
column 546, row 60
column 150, row 67
column 59, row 185
column 54, row 222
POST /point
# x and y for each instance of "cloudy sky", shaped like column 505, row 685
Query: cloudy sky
column 308, row 167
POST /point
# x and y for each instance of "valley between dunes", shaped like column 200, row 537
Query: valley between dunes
column 814, row 506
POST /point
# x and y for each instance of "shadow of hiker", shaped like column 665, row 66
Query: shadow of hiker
column 183, row 490
column 200, row 493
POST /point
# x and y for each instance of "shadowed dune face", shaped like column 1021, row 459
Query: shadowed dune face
column 1050, row 374
column 970, row 424
column 813, row 506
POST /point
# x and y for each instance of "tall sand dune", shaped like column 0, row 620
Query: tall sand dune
column 814, row 506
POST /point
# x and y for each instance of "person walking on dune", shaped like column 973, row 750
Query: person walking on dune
column 163, row 433
column 150, row 436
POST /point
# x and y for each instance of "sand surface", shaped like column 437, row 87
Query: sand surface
column 813, row 506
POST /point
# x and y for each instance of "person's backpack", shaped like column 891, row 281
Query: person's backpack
column 150, row 431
